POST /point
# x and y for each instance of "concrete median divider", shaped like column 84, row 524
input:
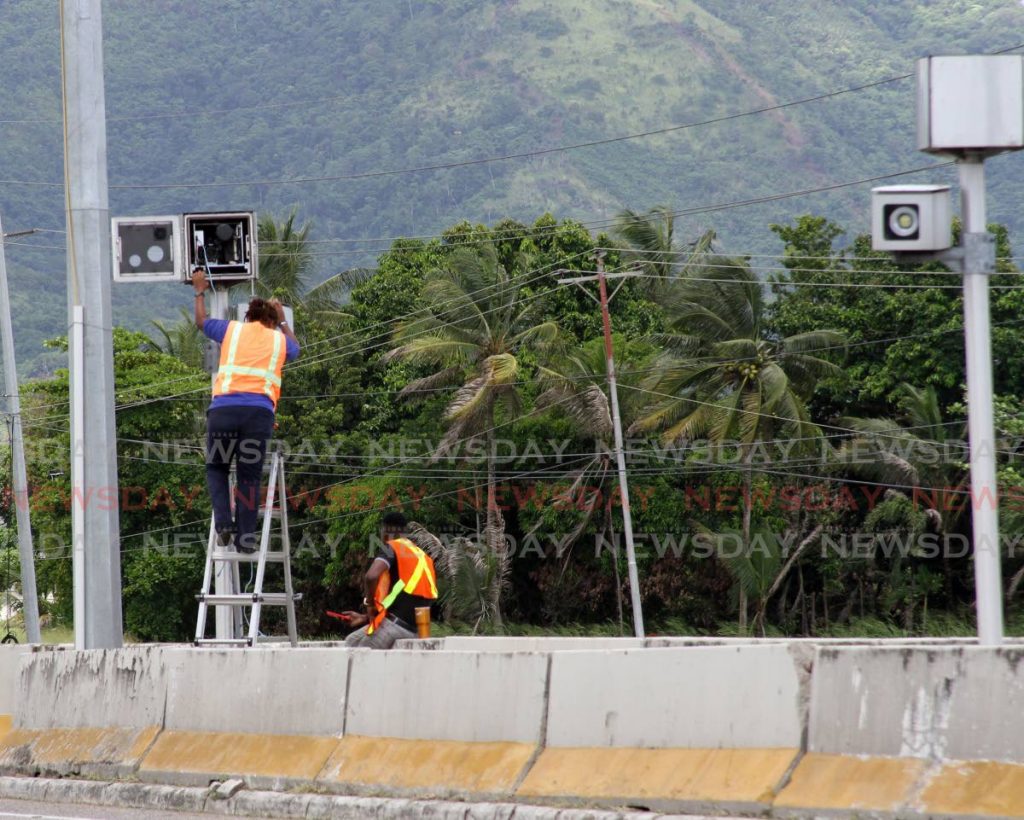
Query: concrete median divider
column 10, row 658
column 443, row 723
column 92, row 713
column 787, row 729
column 671, row 729
column 271, row 717
column 935, row 731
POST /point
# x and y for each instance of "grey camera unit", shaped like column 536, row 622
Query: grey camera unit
column 146, row 249
column 970, row 104
column 222, row 243
column 169, row 248
column 911, row 218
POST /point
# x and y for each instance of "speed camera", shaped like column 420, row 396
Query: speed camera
column 146, row 249
column 911, row 218
column 224, row 244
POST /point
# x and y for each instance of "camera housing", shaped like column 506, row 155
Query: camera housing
column 223, row 243
column 146, row 249
column 970, row 104
column 911, row 218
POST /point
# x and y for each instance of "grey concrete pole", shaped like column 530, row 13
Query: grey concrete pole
column 95, row 501
column 620, row 460
column 223, row 579
column 981, row 428
column 19, row 476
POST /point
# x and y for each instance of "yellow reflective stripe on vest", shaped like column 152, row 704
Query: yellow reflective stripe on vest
column 421, row 567
column 414, row 579
column 272, row 378
column 236, row 332
column 395, row 591
column 268, row 374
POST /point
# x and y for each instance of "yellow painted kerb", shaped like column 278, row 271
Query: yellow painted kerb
column 434, row 765
column 979, row 787
column 58, row 748
column 848, row 782
column 297, row 757
column 733, row 775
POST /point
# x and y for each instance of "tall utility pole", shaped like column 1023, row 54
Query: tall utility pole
column 94, row 506
column 978, row 265
column 620, row 458
column 19, row 476
column 224, row 577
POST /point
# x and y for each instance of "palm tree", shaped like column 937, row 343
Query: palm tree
column 903, row 452
column 473, row 330
column 649, row 244
column 286, row 263
column 574, row 383
column 908, row 453
column 723, row 377
column 182, row 340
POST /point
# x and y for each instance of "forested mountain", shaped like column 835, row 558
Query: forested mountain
column 333, row 95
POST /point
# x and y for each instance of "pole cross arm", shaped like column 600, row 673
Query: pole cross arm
column 976, row 253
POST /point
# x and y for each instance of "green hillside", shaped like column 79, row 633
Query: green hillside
column 262, row 91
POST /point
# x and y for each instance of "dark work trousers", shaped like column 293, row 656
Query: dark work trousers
column 238, row 434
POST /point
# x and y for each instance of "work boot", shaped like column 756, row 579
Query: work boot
column 246, row 544
column 224, row 538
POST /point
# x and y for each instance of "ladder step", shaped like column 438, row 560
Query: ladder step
column 223, row 642
column 248, row 598
column 250, row 557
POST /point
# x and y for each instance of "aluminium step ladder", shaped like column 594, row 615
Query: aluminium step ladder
column 222, row 565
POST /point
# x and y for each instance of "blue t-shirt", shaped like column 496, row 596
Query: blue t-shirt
column 216, row 329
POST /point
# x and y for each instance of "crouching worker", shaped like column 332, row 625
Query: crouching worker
column 240, row 420
column 400, row 579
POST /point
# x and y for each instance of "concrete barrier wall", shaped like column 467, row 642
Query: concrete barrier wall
column 467, row 696
column 96, row 688
column 231, row 690
column 10, row 658
column 937, row 702
column 704, row 697
column 717, row 725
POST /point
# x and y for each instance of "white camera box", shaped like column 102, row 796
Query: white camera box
column 911, row 218
column 970, row 104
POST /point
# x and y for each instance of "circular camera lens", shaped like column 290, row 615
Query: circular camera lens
column 160, row 233
column 155, row 253
column 135, row 260
column 225, row 232
column 903, row 221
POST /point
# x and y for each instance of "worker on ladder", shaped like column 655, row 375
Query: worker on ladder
column 240, row 419
column 400, row 580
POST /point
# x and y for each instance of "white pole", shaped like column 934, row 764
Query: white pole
column 78, row 471
column 223, row 578
column 977, row 339
column 19, row 475
column 620, row 460
column 88, row 239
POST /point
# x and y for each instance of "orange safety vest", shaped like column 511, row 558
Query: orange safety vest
column 416, row 576
column 251, row 358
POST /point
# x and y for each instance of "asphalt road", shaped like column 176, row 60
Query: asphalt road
column 22, row 809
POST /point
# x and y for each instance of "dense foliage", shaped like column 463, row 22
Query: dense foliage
column 795, row 447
